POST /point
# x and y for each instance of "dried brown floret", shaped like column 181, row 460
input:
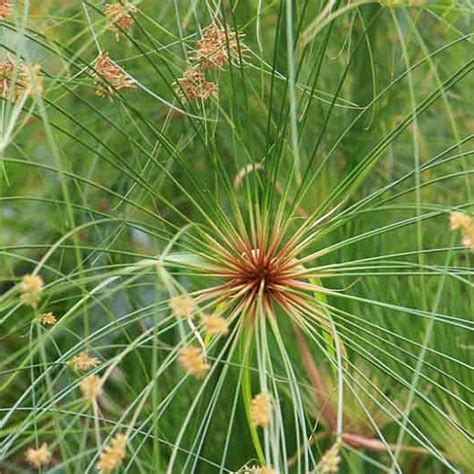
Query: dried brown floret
column 5, row 8
column 116, row 79
column 112, row 456
column 256, row 470
column 38, row 457
column 217, row 47
column 193, row 86
column 260, row 410
column 215, row 325
column 48, row 319
column 459, row 220
column 182, row 306
column 193, row 361
column 330, row 461
column 119, row 18
column 91, row 388
column 18, row 78
column 468, row 237
column 31, row 287
column 83, row 362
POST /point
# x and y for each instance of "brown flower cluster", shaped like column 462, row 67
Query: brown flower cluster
column 395, row 3
column 91, row 388
column 112, row 456
column 18, row 78
column 48, row 319
column 193, row 361
column 256, row 470
column 83, row 362
column 193, row 86
column 215, row 325
column 119, row 18
column 5, row 8
column 115, row 78
column 260, row 410
column 191, row 358
column 215, row 49
column 38, row 457
column 330, row 461
column 31, row 287
column 182, row 306
column 463, row 222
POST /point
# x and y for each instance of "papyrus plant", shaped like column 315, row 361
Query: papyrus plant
column 236, row 236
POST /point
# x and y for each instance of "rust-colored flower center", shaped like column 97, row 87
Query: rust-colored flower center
column 257, row 274
column 259, row 271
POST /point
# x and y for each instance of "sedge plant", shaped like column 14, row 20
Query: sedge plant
column 236, row 236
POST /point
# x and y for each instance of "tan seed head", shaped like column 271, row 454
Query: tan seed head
column 215, row 325
column 83, row 362
column 260, row 410
column 193, row 361
column 91, row 388
column 113, row 455
column 38, row 457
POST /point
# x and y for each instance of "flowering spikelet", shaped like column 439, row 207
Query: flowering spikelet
column 256, row 470
column 330, row 461
column 215, row 325
column 31, row 288
column 33, row 79
column 193, row 361
column 119, row 18
column 83, row 362
column 267, row 470
column 91, row 388
column 38, row 457
column 216, row 47
column 48, row 319
column 194, row 86
column 468, row 237
column 459, row 220
column 113, row 74
column 113, row 455
column 260, row 411
column 5, row 8
column 182, row 306
column 18, row 78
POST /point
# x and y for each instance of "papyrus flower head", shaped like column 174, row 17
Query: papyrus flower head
column 464, row 222
column 113, row 455
column 31, row 287
column 17, row 78
column 459, row 220
column 215, row 325
column 48, row 319
column 216, row 47
column 91, row 388
column 182, row 305
column 5, row 8
column 468, row 237
column 256, row 470
column 330, row 461
column 83, row 362
column 38, row 457
column 114, row 76
column 261, row 409
column 193, row 86
column 193, row 361
column 118, row 17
